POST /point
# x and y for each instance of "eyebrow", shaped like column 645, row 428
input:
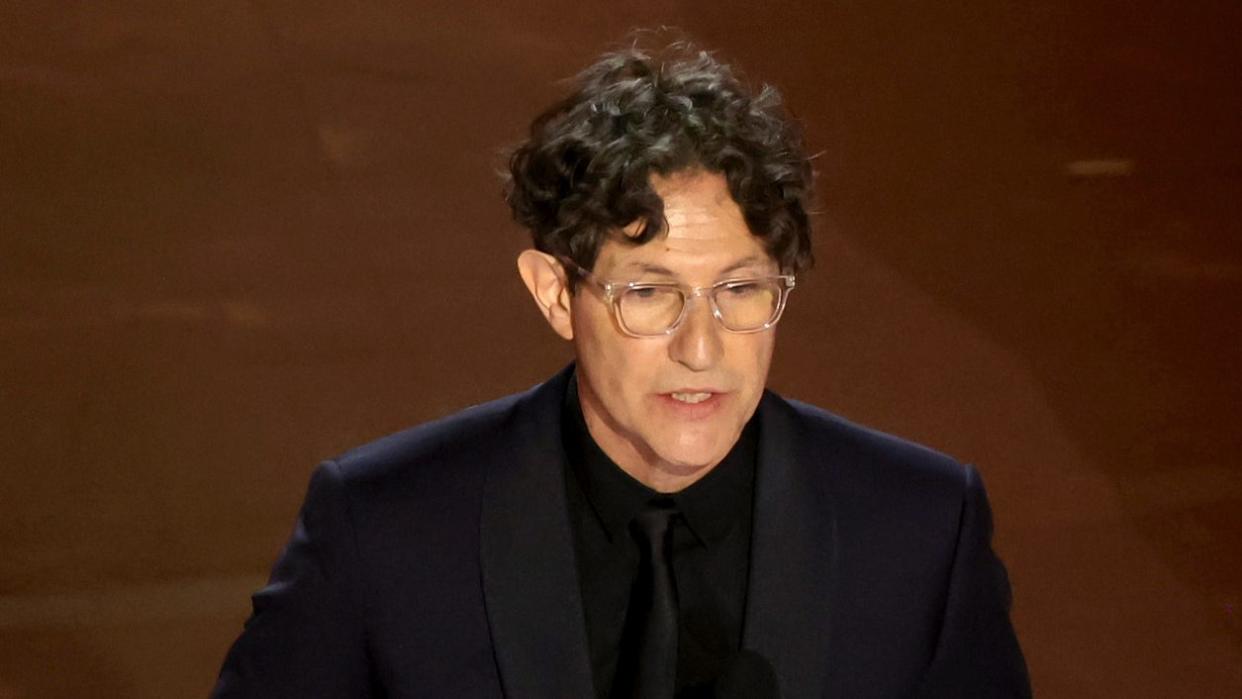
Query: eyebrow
column 650, row 268
column 646, row 267
column 744, row 262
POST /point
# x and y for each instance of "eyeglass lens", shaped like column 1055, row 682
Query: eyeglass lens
column 652, row 310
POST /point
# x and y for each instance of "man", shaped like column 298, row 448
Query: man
column 650, row 522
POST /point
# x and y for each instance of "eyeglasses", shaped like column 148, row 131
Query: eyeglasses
column 651, row 309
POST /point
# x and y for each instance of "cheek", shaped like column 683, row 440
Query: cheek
column 634, row 369
column 751, row 356
column 623, row 368
column 592, row 338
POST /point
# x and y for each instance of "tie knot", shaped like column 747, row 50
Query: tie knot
column 652, row 524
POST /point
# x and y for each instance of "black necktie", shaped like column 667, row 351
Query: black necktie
column 648, row 669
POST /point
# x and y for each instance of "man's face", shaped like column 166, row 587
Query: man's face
column 643, row 396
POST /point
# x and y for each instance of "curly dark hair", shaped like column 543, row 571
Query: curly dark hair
column 584, row 172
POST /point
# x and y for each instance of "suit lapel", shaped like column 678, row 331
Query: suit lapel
column 792, row 549
column 530, row 582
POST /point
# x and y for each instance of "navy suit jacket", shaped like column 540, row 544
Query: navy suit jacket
column 439, row 562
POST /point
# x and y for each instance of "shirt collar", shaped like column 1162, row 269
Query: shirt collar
column 711, row 506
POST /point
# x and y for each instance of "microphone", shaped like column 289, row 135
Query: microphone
column 748, row 676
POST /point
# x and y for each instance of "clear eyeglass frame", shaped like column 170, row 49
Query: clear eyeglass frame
column 614, row 290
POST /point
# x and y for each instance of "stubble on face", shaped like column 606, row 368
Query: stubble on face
column 643, row 398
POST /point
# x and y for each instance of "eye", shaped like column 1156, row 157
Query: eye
column 644, row 292
column 742, row 289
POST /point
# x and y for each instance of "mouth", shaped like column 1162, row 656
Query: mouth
column 691, row 397
column 693, row 403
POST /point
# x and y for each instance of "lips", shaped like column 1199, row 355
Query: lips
column 692, row 391
column 692, row 403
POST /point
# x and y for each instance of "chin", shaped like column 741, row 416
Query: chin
column 688, row 456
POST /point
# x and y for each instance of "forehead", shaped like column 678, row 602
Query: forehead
column 706, row 232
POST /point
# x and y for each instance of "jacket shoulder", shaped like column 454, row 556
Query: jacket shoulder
column 869, row 459
column 450, row 449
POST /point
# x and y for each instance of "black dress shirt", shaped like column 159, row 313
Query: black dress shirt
column 711, row 553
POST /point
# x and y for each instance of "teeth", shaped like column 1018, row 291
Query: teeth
column 691, row 397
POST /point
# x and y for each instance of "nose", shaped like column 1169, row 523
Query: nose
column 696, row 343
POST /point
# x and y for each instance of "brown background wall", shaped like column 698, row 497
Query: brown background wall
column 239, row 237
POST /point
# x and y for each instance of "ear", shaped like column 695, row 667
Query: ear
column 548, row 285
